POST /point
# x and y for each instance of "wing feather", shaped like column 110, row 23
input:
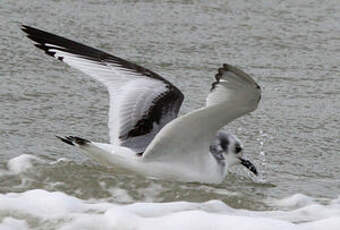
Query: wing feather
column 233, row 94
column 141, row 101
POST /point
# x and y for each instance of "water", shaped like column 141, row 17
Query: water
column 291, row 48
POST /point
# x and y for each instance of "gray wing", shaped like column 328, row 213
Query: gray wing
column 141, row 101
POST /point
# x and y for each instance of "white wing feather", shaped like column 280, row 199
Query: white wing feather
column 135, row 92
column 233, row 94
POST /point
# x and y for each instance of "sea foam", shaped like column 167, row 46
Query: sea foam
column 22, row 163
column 41, row 209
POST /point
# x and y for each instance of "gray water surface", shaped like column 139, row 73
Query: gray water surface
column 291, row 48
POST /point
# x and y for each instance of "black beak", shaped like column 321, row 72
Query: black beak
column 249, row 166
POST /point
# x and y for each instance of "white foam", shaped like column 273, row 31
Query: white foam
column 151, row 193
column 327, row 224
column 22, row 163
column 116, row 218
column 60, row 160
column 121, row 194
column 66, row 212
column 295, row 201
column 10, row 223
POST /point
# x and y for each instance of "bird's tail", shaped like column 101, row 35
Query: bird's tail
column 99, row 152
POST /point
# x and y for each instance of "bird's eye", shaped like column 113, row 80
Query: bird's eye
column 238, row 149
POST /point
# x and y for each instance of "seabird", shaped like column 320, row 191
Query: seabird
column 146, row 134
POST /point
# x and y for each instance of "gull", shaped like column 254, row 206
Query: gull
column 146, row 134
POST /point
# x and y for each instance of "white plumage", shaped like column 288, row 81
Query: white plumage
column 146, row 135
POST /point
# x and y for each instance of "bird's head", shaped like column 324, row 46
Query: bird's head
column 227, row 149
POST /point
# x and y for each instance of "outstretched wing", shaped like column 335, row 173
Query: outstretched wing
column 186, row 139
column 141, row 101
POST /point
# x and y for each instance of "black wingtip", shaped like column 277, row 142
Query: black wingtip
column 221, row 70
column 72, row 140
column 27, row 29
column 23, row 27
column 39, row 37
column 50, row 42
column 65, row 140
